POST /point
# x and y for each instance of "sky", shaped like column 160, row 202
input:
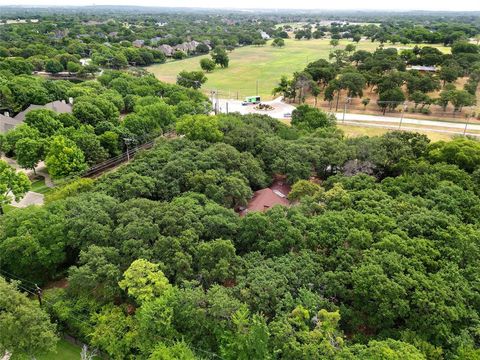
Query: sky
column 457, row 5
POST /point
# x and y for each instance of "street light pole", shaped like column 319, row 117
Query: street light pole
column 401, row 117
column 466, row 125
column 347, row 101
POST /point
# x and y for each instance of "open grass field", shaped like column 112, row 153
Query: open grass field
column 264, row 64
column 65, row 351
column 355, row 131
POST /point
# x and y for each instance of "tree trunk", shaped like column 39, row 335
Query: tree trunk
column 338, row 99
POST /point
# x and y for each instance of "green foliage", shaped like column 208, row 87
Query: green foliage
column 191, row 79
column 64, row 158
column 308, row 118
column 26, row 328
column 13, row 185
column 144, row 281
column 200, row 127
column 207, row 65
column 220, row 57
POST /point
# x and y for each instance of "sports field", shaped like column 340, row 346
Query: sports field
column 264, row 64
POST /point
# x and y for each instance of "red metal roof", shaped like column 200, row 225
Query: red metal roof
column 265, row 199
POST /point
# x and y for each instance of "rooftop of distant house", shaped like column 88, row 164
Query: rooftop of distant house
column 59, row 106
column 422, row 68
column 267, row 198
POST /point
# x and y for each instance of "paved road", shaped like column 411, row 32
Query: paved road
column 406, row 120
column 279, row 111
column 30, row 198
column 388, row 122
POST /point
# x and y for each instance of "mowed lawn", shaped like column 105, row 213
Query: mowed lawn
column 251, row 63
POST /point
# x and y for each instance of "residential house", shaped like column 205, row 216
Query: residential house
column 138, row 43
column 7, row 123
column 59, row 106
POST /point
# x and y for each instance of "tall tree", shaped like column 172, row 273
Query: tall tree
column 12, row 184
column 25, row 329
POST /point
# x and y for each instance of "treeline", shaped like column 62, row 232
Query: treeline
column 57, row 43
column 386, row 72
column 393, row 31
column 377, row 258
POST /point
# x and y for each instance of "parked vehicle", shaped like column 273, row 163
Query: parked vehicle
column 251, row 100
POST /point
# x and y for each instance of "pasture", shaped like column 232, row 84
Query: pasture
column 264, row 64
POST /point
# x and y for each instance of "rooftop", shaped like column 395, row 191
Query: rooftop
column 265, row 199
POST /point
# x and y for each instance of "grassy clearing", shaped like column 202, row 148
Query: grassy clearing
column 265, row 64
column 355, row 131
column 39, row 186
column 65, row 351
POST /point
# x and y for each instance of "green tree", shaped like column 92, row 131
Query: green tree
column 53, row 66
column 309, row 118
column 44, row 120
column 144, row 281
column 207, row 65
column 278, row 42
column 303, row 188
column 220, row 57
column 13, row 185
column 191, row 79
column 249, row 338
column 29, row 152
column 64, row 158
column 390, row 99
column 177, row 351
column 26, row 329
column 200, row 127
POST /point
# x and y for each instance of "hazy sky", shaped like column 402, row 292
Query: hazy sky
column 459, row 5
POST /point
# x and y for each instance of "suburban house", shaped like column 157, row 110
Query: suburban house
column 264, row 199
column 59, row 106
column 264, row 35
column 166, row 49
column 138, row 43
column 423, row 68
column 7, row 123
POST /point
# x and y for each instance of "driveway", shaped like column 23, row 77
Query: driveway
column 279, row 108
column 30, row 198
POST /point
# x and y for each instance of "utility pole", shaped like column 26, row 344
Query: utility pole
column 347, row 101
column 39, row 292
column 466, row 125
column 403, row 113
column 127, row 142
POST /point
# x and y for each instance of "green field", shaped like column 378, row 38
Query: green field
column 65, row 351
column 251, row 63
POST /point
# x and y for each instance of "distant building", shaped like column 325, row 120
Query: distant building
column 264, row 35
column 7, row 123
column 59, row 106
column 138, row 43
column 267, row 198
column 167, row 50
column 422, row 68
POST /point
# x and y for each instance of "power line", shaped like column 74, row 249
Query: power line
column 33, row 293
